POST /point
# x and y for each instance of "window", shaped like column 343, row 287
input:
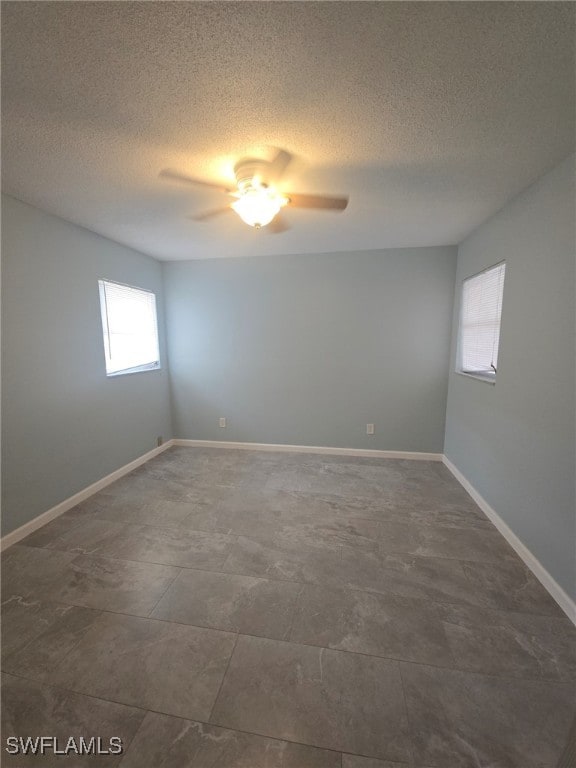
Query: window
column 480, row 323
column 130, row 328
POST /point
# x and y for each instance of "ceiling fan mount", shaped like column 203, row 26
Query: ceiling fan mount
column 258, row 200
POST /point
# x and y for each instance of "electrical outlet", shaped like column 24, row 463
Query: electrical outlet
column 369, row 429
column 222, row 422
column 159, row 441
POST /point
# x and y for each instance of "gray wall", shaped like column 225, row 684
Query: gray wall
column 515, row 441
column 64, row 423
column 309, row 349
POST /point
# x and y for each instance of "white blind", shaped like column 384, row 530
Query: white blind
column 130, row 327
column 480, row 322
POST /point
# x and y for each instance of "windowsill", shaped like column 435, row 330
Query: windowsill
column 485, row 379
column 129, row 371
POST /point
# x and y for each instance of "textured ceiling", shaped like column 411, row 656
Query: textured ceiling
column 430, row 116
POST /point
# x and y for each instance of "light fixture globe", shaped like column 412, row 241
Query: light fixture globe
column 257, row 205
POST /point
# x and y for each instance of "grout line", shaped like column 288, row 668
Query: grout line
column 163, row 593
column 338, row 518
column 213, row 707
column 209, row 723
column 372, row 548
column 337, row 547
column 407, row 711
column 391, row 659
column 332, row 587
column 177, row 717
column 134, row 737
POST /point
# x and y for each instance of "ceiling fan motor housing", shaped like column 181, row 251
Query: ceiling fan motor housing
column 248, row 170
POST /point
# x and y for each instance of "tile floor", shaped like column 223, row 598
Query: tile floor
column 234, row 609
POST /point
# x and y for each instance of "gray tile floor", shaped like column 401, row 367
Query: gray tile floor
column 234, row 609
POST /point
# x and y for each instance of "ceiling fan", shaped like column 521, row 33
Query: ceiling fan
column 258, row 202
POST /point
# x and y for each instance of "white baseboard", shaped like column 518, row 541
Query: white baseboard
column 411, row 455
column 548, row 582
column 32, row 525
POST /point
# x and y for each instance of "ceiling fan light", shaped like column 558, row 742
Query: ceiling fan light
column 257, row 206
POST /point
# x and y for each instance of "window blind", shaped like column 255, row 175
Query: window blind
column 480, row 322
column 130, row 328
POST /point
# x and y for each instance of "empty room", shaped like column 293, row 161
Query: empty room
column 288, row 384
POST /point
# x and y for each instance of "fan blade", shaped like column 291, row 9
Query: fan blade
column 210, row 214
column 317, row 201
column 167, row 173
column 279, row 165
column 277, row 225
